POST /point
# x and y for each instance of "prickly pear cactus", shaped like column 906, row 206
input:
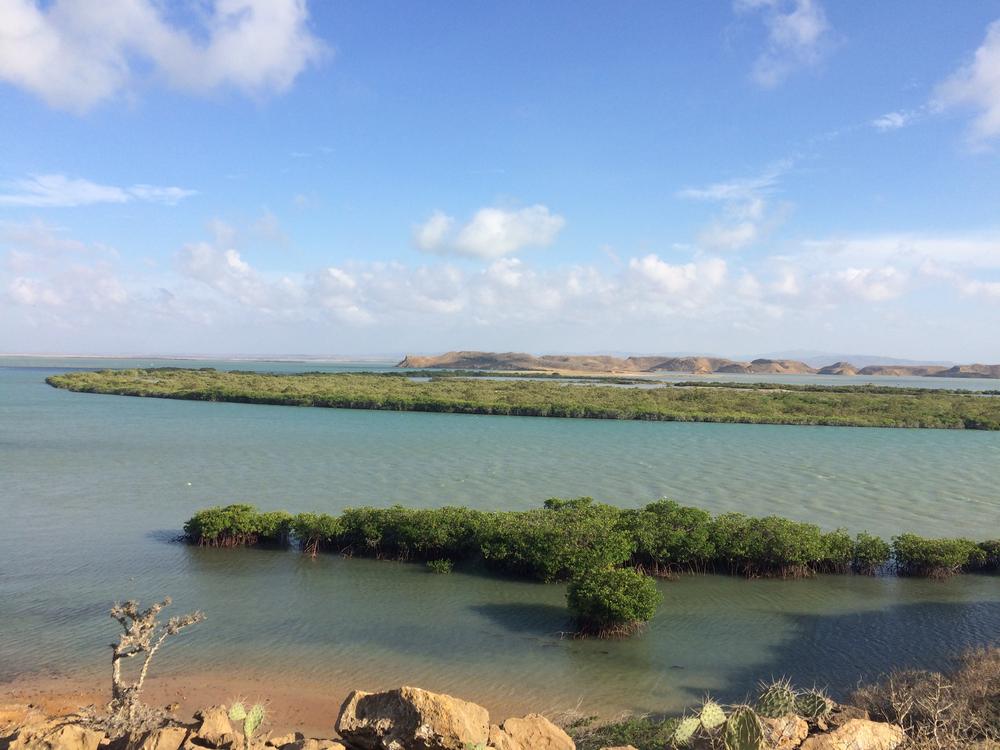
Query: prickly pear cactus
column 812, row 704
column 237, row 711
column 776, row 700
column 686, row 730
column 744, row 730
column 712, row 716
column 253, row 720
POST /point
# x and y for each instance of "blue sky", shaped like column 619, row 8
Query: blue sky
column 283, row 176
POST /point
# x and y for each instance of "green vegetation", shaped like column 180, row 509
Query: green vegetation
column 871, row 553
column 566, row 538
column 959, row 709
column 238, row 526
column 935, row 558
column 612, row 602
column 866, row 406
column 444, row 565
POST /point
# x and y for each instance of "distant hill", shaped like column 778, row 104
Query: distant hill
column 602, row 363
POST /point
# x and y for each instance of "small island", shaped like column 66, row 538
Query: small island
column 459, row 393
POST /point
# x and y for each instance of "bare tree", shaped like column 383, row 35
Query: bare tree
column 141, row 633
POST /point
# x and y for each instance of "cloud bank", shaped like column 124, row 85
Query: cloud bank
column 60, row 191
column 75, row 54
column 490, row 233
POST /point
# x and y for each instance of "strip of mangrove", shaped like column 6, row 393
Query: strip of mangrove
column 792, row 405
column 569, row 538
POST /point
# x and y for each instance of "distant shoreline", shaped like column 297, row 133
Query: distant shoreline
column 843, row 406
column 601, row 364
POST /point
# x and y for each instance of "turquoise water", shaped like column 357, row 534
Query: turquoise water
column 93, row 487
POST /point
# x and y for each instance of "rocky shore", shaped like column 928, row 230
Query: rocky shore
column 410, row 718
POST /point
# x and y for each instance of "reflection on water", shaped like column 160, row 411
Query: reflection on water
column 92, row 488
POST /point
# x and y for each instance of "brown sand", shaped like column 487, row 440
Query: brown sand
column 293, row 704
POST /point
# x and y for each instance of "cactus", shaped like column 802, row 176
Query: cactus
column 254, row 718
column 712, row 716
column 776, row 700
column 744, row 730
column 686, row 730
column 812, row 704
column 237, row 712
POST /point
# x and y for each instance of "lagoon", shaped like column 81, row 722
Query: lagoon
column 92, row 488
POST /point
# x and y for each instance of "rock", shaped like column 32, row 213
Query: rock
column 215, row 729
column 56, row 735
column 411, row 719
column 165, row 738
column 13, row 716
column 285, row 739
column 785, row 733
column 532, row 732
column 843, row 714
column 299, row 742
column 858, row 734
column 314, row 744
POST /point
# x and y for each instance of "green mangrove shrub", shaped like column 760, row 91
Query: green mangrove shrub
column 871, row 554
column 669, row 536
column 565, row 538
column 316, row 531
column 990, row 559
column 557, row 542
column 935, row 558
column 612, row 602
column 441, row 566
column 238, row 525
column 771, row 546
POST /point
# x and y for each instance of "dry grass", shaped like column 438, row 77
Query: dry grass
column 942, row 711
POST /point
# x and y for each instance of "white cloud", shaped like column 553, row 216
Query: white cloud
column 57, row 190
column 56, row 283
column 683, row 280
column 491, row 233
column 432, row 234
column 749, row 214
column 798, row 36
column 977, row 86
column 893, row 121
column 77, row 53
column 873, row 284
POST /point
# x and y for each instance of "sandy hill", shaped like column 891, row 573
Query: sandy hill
column 839, row 368
column 600, row 363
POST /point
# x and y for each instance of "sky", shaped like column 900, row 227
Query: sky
column 730, row 177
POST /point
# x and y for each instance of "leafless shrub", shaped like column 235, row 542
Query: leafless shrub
column 141, row 634
column 941, row 711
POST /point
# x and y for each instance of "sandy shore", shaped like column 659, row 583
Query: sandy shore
column 293, row 704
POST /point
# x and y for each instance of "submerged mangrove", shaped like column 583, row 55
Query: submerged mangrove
column 606, row 553
column 860, row 406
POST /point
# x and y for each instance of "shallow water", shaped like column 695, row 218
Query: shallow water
column 93, row 487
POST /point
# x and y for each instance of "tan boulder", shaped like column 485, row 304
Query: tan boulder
column 164, row 738
column 214, row 728
column 56, row 735
column 785, row 733
column 285, row 739
column 13, row 716
column 858, row 734
column 314, row 744
column 411, row 719
column 531, row 732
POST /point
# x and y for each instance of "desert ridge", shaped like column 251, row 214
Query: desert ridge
column 605, row 364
